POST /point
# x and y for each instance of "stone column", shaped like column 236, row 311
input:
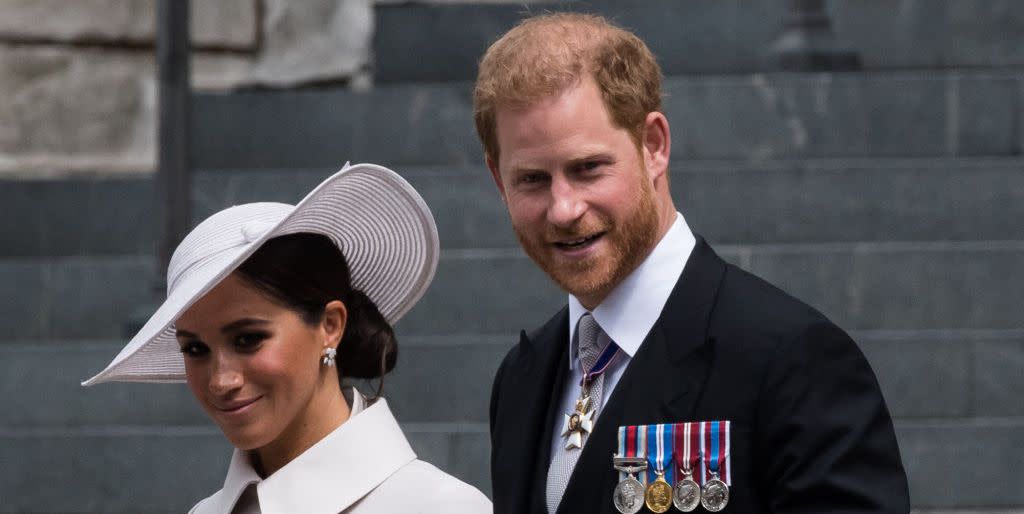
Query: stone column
column 175, row 100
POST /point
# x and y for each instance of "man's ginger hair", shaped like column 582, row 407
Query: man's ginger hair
column 545, row 55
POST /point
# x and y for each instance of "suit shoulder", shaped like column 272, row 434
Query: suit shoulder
column 750, row 304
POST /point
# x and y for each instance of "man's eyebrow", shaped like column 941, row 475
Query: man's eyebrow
column 517, row 170
column 599, row 156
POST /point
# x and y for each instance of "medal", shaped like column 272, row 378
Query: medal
column 629, row 492
column 658, row 496
column 714, row 496
column 686, row 493
column 580, row 422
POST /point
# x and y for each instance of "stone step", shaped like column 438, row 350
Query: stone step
column 951, row 465
column 169, row 469
column 862, row 286
column 923, row 375
column 964, row 464
column 417, row 42
column 747, row 117
column 812, row 201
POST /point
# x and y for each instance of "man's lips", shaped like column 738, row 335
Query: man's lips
column 235, row 406
column 577, row 243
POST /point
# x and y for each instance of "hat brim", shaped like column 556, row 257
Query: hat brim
column 380, row 223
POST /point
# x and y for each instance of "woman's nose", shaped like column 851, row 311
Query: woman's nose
column 226, row 376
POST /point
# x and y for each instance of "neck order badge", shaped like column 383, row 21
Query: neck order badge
column 580, row 422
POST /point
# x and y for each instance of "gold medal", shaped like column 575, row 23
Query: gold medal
column 658, row 496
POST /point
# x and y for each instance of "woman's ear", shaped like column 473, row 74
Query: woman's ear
column 333, row 323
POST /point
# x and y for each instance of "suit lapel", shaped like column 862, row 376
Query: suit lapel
column 534, row 386
column 661, row 384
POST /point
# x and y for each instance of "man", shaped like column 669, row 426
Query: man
column 568, row 109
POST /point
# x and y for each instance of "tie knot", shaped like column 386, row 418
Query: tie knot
column 588, row 330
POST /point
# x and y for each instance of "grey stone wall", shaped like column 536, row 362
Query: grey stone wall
column 77, row 79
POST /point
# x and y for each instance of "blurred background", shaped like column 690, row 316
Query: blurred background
column 864, row 155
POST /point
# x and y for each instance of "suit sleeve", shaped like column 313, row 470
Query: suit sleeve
column 825, row 438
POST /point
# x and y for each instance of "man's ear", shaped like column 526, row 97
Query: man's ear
column 656, row 144
column 495, row 174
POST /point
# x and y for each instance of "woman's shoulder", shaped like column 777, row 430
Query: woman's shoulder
column 428, row 489
column 203, row 506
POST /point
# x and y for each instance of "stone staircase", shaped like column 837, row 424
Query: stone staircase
column 889, row 199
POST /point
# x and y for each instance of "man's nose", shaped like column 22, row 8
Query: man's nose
column 226, row 375
column 567, row 203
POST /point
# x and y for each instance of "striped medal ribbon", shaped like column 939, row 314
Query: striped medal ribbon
column 658, row 496
column 686, row 493
column 714, row 495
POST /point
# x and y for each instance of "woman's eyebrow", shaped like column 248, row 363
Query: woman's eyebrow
column 242, row 323
column 179, row 333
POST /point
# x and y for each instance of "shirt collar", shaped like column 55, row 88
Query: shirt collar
column 627, row 314
column 331, row 475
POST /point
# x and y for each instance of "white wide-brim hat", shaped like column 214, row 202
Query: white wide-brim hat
column 381, row 224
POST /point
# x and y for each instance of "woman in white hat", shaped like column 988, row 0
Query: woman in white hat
column 268, row 308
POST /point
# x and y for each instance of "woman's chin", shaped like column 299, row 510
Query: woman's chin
column 244, row 439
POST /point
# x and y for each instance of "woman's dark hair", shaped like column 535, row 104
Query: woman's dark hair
column 305, row 272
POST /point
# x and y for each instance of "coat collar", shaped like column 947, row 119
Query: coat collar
column 332, row 474
column 661, row 383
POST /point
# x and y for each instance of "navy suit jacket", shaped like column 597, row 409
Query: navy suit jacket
column 810, row 429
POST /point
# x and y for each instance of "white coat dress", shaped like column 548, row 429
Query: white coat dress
column 365, row 466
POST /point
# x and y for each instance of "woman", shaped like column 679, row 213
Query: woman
column 268, row 308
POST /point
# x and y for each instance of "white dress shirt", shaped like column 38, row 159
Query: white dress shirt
column 364, row 466
column 626, row 316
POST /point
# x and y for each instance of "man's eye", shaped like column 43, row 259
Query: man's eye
column 194, row 349
column 531, row 179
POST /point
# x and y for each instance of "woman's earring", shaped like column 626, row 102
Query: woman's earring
column 328, row 359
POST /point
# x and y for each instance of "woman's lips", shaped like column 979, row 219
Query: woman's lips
column 237, row 407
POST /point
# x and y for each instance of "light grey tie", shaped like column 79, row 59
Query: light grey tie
column 565, row 460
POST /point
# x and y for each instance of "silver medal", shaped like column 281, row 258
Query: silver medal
column 715, row 494
column 686, row 494
column 628, row 496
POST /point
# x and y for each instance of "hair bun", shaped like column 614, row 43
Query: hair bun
column 368, row 348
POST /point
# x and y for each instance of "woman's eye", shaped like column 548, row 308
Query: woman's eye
column 250, row 340
column 194, row 349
